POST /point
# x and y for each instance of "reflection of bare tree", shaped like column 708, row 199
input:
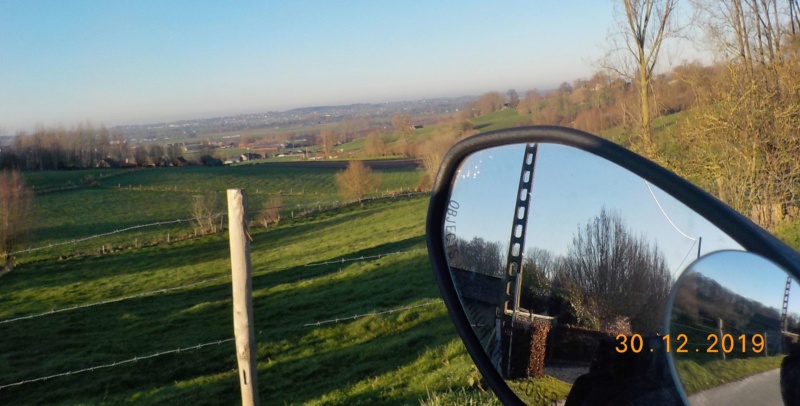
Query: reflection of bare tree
column 479, row 255
column 623, row 276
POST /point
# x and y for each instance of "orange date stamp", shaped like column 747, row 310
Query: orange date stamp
column 715, row 343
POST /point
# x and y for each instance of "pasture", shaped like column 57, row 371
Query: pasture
column 121, row 199
column 104, row 311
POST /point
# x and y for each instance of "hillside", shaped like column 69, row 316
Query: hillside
column 382, row 355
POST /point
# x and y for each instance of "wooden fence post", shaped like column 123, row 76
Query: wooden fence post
column 243, row 328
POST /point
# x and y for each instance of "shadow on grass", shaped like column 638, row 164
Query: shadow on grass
column 187, row 253
column 302, row 380
column 303, row 272
column 137, row 327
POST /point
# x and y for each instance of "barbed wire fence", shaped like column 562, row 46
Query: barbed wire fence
column 315, row 207
column 303, row 209
column 202, row 282
column 208, row 344
column 114, row 300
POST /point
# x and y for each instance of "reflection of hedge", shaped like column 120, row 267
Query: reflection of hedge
column 529, row 345
column 573, row 343
column 566, row 304
column 538, row 349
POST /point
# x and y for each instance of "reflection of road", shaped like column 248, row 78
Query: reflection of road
column 566, row 371
column 760, row 389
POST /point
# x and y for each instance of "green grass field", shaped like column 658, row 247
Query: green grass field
column 138, row 315
column 128, row 198
column 506, row 118
column 697, row 377
column 389, row 359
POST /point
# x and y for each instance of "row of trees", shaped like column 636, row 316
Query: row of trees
column 608, row 274
column 85, row 146
column 80, row 147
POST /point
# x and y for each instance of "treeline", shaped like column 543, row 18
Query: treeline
column 608, row 277
column 84, row 146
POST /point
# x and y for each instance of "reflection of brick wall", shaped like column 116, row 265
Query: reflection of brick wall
column 574, row 343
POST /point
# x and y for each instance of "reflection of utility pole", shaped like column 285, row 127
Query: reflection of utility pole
column 699, row 245
column 512, row 277
column 785, row 314
column 523, row 335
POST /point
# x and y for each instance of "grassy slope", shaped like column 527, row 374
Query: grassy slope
column 390, row 359
column 697, row 377
column 131, row 198
column 498, row 120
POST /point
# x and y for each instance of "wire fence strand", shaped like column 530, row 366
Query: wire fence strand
column 358, row 316
column 91, row 237
column 116, row 363
column 319, row 204
column 363, row 257
column 115, row 300
column 193, row 284
column 199, row 346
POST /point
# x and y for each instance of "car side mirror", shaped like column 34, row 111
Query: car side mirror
column 554, row 248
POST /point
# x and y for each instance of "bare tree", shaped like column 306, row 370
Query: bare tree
column 752, row 32
column 356, row 181
column 327, row 140
column 402, row 126
column 374, row 145
column 16, row 205
column 432, row 151
column 620, row 274
column 488, row 103
column 530, row 103
column 644, row 26
column 352, row 127
column 271, row 211
column 206, row 211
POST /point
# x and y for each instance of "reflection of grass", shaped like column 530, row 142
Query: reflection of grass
column 462, row 397
column 696, row 377
column 541, row 391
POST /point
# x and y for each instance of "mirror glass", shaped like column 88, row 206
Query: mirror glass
column 555, row 253
column 732, row 331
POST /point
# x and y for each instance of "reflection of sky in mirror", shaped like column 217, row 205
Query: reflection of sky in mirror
column 750, row 276
column 570, row 187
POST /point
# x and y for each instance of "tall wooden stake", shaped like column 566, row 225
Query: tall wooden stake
column 243, row 327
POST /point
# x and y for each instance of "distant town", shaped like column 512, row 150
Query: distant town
column 290, row 120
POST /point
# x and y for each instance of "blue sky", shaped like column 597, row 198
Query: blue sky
column 117, row 62
column 570, row 187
